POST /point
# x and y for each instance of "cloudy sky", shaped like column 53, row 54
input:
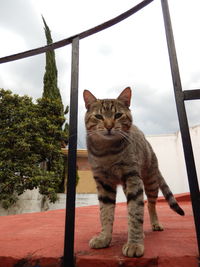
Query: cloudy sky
column 132, row 53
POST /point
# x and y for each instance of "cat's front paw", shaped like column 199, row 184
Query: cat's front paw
column 100, row 241
column 133, row 250
column 157, row 227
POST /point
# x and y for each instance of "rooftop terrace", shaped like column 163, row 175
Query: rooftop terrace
column 36, row 239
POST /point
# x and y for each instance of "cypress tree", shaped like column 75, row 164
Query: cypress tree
column 52, row 111
column 50, row 89
column 55, row 129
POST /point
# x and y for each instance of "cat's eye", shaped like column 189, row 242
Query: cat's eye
column 99, row 116
column 118, row 115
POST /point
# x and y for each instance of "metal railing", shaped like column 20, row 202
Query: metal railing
column 68, row 259
column 180, row 97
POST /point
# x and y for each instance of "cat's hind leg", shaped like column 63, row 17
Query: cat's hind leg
column 107, row 198
column 151, row 190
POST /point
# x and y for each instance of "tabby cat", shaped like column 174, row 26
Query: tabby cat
column 119, row 154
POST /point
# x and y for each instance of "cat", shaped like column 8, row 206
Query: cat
column 119, row 154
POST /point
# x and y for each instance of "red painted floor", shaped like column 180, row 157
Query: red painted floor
column 36, row 239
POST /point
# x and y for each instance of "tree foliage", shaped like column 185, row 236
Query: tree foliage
column 51, row 98
column 27, row 137
column 50, row 89
column 31, row 137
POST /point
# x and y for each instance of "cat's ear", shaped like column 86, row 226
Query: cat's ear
column 125, row 96
column 89, row 98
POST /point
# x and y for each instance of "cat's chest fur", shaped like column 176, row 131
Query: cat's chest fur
column 110, row 169
column 112, row 161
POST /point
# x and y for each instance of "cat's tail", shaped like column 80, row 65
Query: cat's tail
column 170, row 197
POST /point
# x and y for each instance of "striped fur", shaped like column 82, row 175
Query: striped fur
column 119, row 154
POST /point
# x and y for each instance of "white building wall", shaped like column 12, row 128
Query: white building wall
column 169, row 151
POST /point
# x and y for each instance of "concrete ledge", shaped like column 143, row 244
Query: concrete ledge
column 36, row 239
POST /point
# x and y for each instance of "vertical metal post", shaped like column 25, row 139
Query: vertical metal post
column 71, row 181
column 184, row 128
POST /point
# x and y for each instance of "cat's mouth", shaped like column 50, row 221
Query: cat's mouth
column 109, row 134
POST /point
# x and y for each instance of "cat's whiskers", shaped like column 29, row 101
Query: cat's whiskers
column 117, row 131
column 125, row 136
column 92, row 132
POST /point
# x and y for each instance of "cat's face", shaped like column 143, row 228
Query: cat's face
column 108, row 118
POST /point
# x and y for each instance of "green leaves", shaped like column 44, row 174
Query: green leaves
column 50, row 90
column 29, row 135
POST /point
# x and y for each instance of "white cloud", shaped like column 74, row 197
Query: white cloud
column 16, row 42
column 133, row 53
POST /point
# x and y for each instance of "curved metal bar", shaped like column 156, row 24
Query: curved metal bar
column 81, row 35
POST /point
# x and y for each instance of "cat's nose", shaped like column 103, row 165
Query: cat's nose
column 109, row 127
column 108, row 124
